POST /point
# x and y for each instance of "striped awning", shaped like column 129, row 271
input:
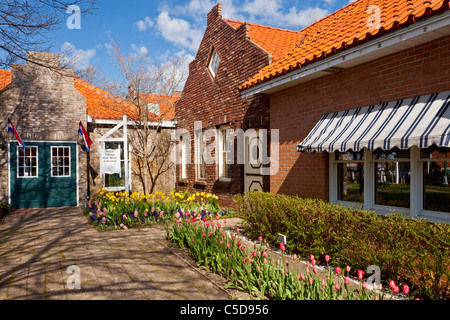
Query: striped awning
column 421, row 121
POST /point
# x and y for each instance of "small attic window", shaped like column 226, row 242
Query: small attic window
column 214, row 63
column 153, row 108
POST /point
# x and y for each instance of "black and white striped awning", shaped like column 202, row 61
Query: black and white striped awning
column 421, row 121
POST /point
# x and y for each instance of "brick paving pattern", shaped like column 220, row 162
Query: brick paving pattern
column 38, row 246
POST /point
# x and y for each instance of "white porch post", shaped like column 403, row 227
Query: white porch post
column 125, row 156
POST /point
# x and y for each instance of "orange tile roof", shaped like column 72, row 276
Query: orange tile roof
column 104, row 105
column 5, row 78
column 278, row 42
column 346, row 28
column 166, row 104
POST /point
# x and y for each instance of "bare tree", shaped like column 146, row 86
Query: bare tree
column 25, row 25
column 150, row 86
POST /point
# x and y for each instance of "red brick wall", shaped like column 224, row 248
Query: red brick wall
column 422, row 70
column 217, row 101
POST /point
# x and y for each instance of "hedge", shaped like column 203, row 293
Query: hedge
column 408, row 251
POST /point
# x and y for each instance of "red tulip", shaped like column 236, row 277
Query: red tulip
column 405, row 289
column 327, row 258
column 336, row 286
column 315, row 271
column 338, row 270
column 346, row 280
column 260, row 238
column 254, row 254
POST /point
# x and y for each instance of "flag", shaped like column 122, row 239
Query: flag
column 83, row 132
column 13, row 130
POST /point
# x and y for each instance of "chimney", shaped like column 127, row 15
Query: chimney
column 44, row 59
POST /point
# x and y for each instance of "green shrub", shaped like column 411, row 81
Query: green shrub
column 408, row 251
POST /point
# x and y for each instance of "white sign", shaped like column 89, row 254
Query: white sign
column 110, row 162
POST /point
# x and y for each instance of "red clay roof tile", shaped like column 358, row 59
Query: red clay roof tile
column 347, row 27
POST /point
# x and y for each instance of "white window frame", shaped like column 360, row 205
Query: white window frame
column 416, row 187
column 222, row 140
column 199, row 137
column 214, row 62
column 37, row 163
column 51, row 162
column 184, row 158
column 114, row 189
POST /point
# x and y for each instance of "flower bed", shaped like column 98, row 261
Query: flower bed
column 251, row 269
column 412, row 252
column 116, row 210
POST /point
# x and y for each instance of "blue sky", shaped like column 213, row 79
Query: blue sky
column 171, row 28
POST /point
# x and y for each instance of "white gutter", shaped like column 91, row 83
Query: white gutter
column 418, row 33
column 163, row 124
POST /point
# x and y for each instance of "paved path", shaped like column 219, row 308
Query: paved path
column 38, row 246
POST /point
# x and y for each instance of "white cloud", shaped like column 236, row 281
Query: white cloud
column 140, row 50
column 179, row 31
column 79, row 58
column 145, row 24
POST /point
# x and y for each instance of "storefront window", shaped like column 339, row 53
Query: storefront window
column 436, row 174
column 350, row 176
column 392, row 186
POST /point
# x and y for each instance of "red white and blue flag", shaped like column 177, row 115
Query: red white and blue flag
column 84, row 134
column 13, row 130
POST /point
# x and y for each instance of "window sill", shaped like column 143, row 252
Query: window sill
column 183, row 182
column 201, row 183
column 223, row 183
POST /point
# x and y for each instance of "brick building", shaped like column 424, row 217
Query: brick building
column 367, row 107
column 230, row 53
column 46, row 104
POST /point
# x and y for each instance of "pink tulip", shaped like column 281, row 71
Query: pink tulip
column 302, row 276
column 360, row 274
column 327, row 258
column 392, row 284
column 405, row 289
column 323, row 283
column 265, row 261
column 238, row 243
column 294, row 256
column 364, row 285
column 232, row 271
column 396, row 289
column 260, row 238
column 346, row 280
column 250, row 260
column 258, row 269
column 313, row 262
column 203, row 235
column 336, row 286
column 209, row 234
column 244, row 260
column 310, row 280
column 254, row 254
column 228, row 246
column 193, row 240
column 242, row 249
column 237, row 230
column 315, row 271
column 307, row 264
column 338, row 270
column 311, row 257
column 221, row 242
column 264, row 254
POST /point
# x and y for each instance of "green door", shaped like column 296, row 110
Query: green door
column 43, row 175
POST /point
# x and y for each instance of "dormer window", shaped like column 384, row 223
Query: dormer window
column 214, row 63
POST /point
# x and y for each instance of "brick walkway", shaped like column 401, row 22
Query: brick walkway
column 38, row 246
